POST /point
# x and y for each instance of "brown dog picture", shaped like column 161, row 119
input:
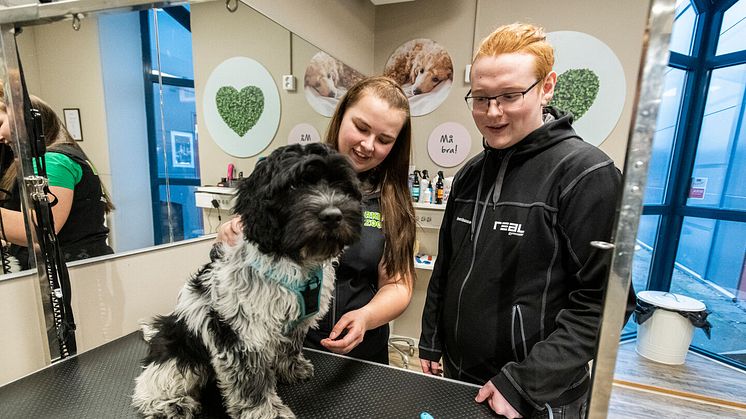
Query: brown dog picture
column 326, row 80
column 424, row 70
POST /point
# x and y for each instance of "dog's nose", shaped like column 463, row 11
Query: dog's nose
column 330, row 216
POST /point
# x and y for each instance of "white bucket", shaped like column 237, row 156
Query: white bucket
column 665, row 337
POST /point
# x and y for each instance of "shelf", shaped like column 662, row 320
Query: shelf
column 217, row 190
column 440, row 207
column 214, row 197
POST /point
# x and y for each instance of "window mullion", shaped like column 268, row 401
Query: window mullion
column 684, row 150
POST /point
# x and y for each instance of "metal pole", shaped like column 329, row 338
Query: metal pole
column 650, row 83
column 22, row 154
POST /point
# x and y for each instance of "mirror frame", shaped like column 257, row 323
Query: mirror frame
column 650, row 83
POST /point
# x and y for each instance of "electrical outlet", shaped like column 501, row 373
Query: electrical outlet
column 288, row 82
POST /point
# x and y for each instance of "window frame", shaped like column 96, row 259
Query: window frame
column 674, row 209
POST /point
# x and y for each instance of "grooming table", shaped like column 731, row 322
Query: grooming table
column 99, row 383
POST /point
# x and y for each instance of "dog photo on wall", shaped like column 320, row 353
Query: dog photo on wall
column 424, row 70
column 240, row 321
column 326, row 80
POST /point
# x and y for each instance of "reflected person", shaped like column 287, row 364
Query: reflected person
column 515, row 297
column 82, row 201
column 374, row 278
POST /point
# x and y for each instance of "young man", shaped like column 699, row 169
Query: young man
column 516, row 293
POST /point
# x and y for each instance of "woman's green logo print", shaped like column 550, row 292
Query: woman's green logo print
column 372, row 219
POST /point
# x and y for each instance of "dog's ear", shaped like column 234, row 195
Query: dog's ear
column 256, row 199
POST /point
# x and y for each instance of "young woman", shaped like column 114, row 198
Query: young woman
column 82, row 201
column 372, row 127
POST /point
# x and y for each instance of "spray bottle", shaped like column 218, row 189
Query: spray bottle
column 439, row 188
column 416, row 186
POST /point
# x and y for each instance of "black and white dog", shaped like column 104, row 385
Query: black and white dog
column 241, row 320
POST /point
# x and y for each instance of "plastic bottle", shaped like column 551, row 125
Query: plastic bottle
column 427, row 195
column 416, row 187
column 447, row 188
column 439, row 188
column 423, row 187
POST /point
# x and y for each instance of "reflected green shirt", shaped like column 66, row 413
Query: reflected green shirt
column 62, row 171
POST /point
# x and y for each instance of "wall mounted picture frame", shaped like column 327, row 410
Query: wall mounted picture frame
column 71, row 117
column 182, row 149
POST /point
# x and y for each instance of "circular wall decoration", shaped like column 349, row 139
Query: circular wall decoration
column 242, row 106
column 590, row 83
column 424, row 70
column 303, row 133
column 326, row 80
column 449, row 144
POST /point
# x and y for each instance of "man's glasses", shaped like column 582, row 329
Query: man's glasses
column 510, row 101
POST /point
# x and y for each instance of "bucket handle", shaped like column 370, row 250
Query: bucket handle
column 672, row 295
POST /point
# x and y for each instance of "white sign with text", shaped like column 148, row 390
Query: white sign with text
column 449, row 144
column 303, row 133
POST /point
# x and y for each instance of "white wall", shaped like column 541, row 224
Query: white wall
column 110, row 296
column 127, row 132
column 343, row 28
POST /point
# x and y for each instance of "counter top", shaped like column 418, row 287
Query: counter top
column 99, row 383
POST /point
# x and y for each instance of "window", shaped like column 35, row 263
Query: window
column 691, row 234
column 683, row 30
column 172, row 124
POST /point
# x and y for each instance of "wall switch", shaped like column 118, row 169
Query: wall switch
column 288, row 82
column 467, row 74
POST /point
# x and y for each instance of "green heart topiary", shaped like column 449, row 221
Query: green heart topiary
column 575, row 91
column 240, row 110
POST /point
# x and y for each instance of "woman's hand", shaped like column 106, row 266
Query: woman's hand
column 348, row 332
column 230, row 231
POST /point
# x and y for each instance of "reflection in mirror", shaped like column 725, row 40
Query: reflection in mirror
column 80, row 200
column 151, row 146
column 14, row 255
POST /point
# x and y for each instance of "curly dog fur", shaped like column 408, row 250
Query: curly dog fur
column 329, row 76
column 420, row 64
column 239, row 322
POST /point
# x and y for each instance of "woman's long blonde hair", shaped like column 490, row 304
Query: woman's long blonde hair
column 54, row 134
column 396, row 203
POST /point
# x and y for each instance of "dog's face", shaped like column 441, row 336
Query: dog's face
column 429, row 70
column 301, row 202
column 322, row 75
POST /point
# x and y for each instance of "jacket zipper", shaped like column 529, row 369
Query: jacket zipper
column 476, row 230
column 521, row 328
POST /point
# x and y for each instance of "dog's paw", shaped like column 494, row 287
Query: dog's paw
column 275, row 410
column 296, row 371
column 180, row 408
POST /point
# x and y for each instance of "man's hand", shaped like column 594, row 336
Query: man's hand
column 431, row 367
column 496, row 401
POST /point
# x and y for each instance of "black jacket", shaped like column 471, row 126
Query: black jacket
column 516, row 291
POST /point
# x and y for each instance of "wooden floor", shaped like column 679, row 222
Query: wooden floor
column 699, row 375
column 701, row 388
column 634, row 403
